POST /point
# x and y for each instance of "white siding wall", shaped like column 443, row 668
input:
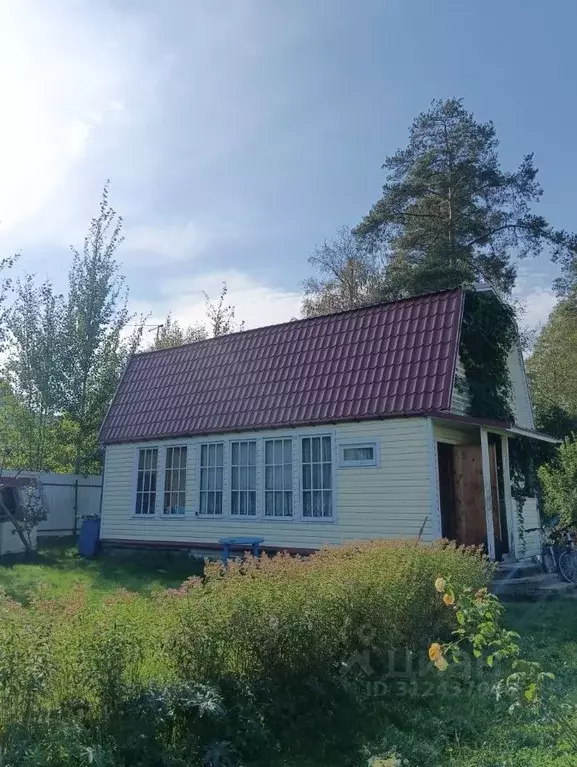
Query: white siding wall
column 457, row 435
column 390, row 500
column 522, row 407
column 460, row 402
column 531, row 520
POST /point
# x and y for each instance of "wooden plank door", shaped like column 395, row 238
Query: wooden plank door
column 470, row 522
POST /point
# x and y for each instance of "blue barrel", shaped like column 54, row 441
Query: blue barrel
column 89, row 536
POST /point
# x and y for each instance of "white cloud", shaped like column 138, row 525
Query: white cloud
column 172, row 242
column 168, row 243
column 538, row 304
column 255, row 303
column 64, row 73
column 533, row 291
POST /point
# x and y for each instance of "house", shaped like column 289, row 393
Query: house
column 314, row 432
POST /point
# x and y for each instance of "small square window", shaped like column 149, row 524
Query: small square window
column 358, row 454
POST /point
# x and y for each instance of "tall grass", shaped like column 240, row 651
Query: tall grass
column 247, row 665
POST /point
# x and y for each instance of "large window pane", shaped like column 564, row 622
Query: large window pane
column 317, row 478
column 175, row 481
column 211, row 479
column 145, row 501
column 243, row 478
column 278, row 478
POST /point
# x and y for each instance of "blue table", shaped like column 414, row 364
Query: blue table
column 248, row 542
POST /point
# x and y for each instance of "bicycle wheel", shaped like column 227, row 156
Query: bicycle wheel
column 568, row 565
column 548, row 560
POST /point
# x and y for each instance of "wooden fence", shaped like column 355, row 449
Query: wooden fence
column 70, row 497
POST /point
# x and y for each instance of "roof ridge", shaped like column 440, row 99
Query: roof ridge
column 297, row 320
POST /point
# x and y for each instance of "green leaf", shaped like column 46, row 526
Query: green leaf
column 530, row 692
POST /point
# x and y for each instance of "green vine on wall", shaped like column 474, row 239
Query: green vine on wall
column 488, row 334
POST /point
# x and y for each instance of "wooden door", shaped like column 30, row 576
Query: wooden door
column 470, row 523
column 470, row 519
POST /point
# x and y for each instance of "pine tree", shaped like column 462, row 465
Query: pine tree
column 450, row 215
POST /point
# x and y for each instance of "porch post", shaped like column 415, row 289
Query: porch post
column 486, row 464
column 511, row 516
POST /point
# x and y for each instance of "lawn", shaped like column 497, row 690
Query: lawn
column 57, row 567
column 549, row 635
column 466, row 731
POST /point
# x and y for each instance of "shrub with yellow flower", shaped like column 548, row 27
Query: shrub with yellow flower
column 449, row 598
column 440, row 585
column 479, row 626
column 441, row 664
column 435, row 652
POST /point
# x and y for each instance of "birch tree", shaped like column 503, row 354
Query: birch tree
column 96, row 332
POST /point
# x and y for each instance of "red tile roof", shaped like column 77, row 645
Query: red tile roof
column 389, row 359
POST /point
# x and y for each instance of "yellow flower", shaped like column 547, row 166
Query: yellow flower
column 440, row 585
column 481, row 593
column 449, row 599
column 441, row 663
column 435, row 652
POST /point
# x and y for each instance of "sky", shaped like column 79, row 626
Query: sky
column 239, row 134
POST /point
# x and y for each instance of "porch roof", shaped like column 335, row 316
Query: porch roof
column 500, row 427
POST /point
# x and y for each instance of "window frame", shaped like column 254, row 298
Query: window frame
column 165, row 450
column 344, row 444
column 334, row 505
column 193, row 474
column 295, row 473
column 159, row 471
column 225, row 478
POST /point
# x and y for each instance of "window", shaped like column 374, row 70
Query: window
column 211, row 478
column 317, row 478
column 359, row 454
column 146, row 481
column 175, row 481
column 278, row 478
column 243, row 479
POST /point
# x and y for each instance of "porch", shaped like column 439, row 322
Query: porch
column 474, row 497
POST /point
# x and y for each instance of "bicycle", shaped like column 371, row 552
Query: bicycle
column 567, row 561
column 558, row 552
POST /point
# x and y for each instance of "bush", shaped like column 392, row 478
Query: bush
column 559, row 483
column 248, row 665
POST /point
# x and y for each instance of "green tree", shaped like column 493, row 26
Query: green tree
column 96, row 338
column 450, row 215
column 551, row 369
column 349, row 276
column 559, row 483
column 221, row 316
column 65, row 356
column 171, row 333
column 34, row 368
